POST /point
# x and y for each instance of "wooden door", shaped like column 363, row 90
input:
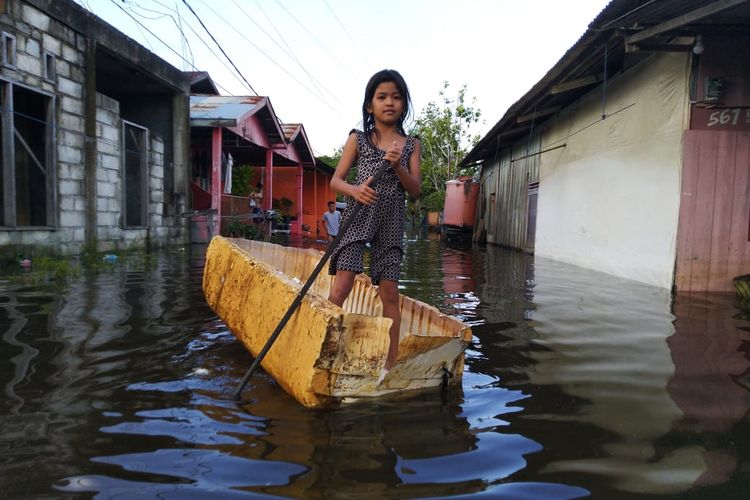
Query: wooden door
column 713, row 237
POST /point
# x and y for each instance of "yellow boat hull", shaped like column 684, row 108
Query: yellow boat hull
column 326, row 353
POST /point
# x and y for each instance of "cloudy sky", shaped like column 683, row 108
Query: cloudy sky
column 312, row 58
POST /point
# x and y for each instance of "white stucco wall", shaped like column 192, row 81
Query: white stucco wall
column 609, row 200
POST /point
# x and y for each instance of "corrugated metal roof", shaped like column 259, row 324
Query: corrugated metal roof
column 219, row 107
column 291, row 130
column 640, row 14
column 657, row 21
column 295, row 133
column 230, row 111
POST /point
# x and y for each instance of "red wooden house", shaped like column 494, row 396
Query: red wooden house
column 231, row 131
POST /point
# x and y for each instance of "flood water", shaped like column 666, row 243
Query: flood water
column 118, row 384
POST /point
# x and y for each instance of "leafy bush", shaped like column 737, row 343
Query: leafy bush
column 238, row 229
column 244, row 179
column 433, row 201
column 284, row 206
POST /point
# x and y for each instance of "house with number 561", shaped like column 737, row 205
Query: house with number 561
column 631, row 156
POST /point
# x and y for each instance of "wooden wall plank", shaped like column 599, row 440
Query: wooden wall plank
column 721, row 226
column 738, row 259
column 714, row 220
column 688, row 195
column 704, row 214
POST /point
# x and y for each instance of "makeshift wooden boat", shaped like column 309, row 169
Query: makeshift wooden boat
column 327, row 354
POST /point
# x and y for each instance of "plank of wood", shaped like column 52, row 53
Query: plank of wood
column 738, row 259
column 686, row 227
column 721, row 226
column 687, row 18
column 704, row 215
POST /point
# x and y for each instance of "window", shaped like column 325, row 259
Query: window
column 532, row 203
column 9, row 50
column 27, row 187
column 3, row 148
column 49, row 66
column 135, row 167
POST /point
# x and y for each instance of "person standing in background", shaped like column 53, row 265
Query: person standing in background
column 255, row 201
column 332, row 221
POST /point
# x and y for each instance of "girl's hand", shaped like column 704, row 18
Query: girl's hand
column 393, row 156
column 364, row 194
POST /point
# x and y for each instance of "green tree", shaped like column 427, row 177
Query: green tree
column 333, row 160
column 243, row 179
column 444, row 129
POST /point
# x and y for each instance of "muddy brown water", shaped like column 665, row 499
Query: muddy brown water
column 118, row 384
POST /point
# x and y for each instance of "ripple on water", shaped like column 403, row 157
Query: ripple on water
column 190, row 472
column 576, row 384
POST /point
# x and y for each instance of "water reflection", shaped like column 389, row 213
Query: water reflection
column 614, row 364
column 607, row 367
column 576, row 384
column 711, row 380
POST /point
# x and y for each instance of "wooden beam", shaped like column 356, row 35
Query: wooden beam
column 537, row 114
column 213, row 122
column 538, row 152
column 656, row 47
column 26, row 146
column 576, row 84
column 684, row 19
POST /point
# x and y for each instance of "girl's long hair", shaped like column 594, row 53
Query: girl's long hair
column 368, row 120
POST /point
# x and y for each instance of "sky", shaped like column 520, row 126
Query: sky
column 313, row 58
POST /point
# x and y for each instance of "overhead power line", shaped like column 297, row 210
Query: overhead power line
column 271, row 59
column 343, row 27
column 343, row 66
column 220, row 48
column 184, row 43
column 208, row 47
column 286, row 49
column 162, row 41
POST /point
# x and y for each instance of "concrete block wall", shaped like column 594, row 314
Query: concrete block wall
column 108, row 173
column 109, row 185
column 156, row 209
column 37, row 34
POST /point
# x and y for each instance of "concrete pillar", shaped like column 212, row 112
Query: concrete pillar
column 181, row 154
column 89, row 148
column 8, row 160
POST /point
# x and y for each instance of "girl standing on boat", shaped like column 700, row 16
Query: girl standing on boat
column 380, row 221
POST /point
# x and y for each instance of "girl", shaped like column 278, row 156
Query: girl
column 380, row 221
